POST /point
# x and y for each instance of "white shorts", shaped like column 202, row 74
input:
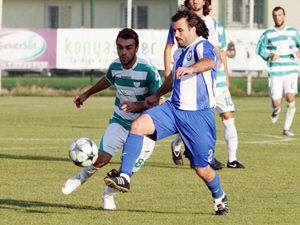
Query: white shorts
column 114, row 138
column 283, row 85
column 224, row 102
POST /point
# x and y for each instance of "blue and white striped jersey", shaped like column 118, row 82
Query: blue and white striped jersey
column 194, row 92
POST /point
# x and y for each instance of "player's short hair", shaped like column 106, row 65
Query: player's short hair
column 277, row 8
column 128, row 33
column 193, row 21
column 206, row 8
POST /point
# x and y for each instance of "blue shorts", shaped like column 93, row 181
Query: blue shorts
column 196, row 128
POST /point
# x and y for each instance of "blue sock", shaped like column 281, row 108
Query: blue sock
column 215, row 187
column 131, row 151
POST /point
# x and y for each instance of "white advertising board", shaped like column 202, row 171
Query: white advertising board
column 95, row 48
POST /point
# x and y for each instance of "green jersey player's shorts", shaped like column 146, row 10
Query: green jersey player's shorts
column 114, row 138
column 224, row 101
column 279, row 85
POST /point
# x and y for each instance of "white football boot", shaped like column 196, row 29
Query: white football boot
column 108, row 201
column 74, row 182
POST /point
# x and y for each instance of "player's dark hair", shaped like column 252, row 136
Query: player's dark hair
column 193, row 21
column 128, row 33
column 277, row 8
column 206, row 8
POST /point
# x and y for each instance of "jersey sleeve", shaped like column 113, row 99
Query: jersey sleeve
column 222, row 39
column 109, row 76
column 261, row 48
column 206, row 50
column 297, row 40
column 170, row 39
column 153, row 80
column 213, row 35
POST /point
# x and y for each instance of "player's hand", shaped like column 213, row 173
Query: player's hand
column 274, row 57
column 152, row 100
column 129, row 107
column 181, row 71
column 298, row 54
column 78, row 100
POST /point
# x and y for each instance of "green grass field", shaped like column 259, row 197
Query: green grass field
column 35, row 133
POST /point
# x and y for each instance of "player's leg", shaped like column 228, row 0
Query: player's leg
column 159, row 123
column 290, row 89
column 146, row 152
column 276, row 91
column 112, row 140
column 132, row 148
column 231, row 140
column 108, row 202
column 200, row 144
column 176, row 150
column 223, row 104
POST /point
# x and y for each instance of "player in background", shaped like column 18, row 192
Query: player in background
column 279, row 47
column 201, row 8
column 189, row 111
column 225, row 106
column 134, row 80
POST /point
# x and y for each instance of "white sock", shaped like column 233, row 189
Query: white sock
column 219, row 200
column 126, row 176
column 88, row 171
column 289, row 115
column 177, row 143
column 231, row 139
column 110, row 191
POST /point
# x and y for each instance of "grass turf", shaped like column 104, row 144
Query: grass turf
column 35, row 133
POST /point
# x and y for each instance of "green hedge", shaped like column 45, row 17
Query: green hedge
column 238, row 85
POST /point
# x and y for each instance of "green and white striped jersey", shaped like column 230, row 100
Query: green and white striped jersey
column 132, row 85
column 283, row 43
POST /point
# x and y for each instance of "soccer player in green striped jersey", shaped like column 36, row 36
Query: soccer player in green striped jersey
column 279, row 47
column 134, row 79
column 225, row 105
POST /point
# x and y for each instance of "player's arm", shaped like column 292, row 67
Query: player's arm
column 102, row 84
column 297, row 40
column 219, row 57
column 224, row 60
column 138, row 107
column 155, row 98
column 206, row 55
column 216, row 42
column 168, row 51
column 202, row 65
column 263, row 52
column 168, row 58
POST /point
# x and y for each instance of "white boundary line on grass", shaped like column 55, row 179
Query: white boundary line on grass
column 270, row 140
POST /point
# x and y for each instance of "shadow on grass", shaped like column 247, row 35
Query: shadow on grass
column 33, row 157
column 8, row 203
column 61, row 159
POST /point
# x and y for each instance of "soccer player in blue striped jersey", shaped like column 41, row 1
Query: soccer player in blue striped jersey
column 279, row 47
column 189, row 111
column 134, row 79
column 202, row 9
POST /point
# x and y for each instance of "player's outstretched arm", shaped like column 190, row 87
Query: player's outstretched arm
column 155, row 98
column 99, row 86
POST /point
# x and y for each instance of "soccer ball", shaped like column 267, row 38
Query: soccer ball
column 83, row 152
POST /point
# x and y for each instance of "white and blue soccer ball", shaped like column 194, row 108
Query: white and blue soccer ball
column 83, row 152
